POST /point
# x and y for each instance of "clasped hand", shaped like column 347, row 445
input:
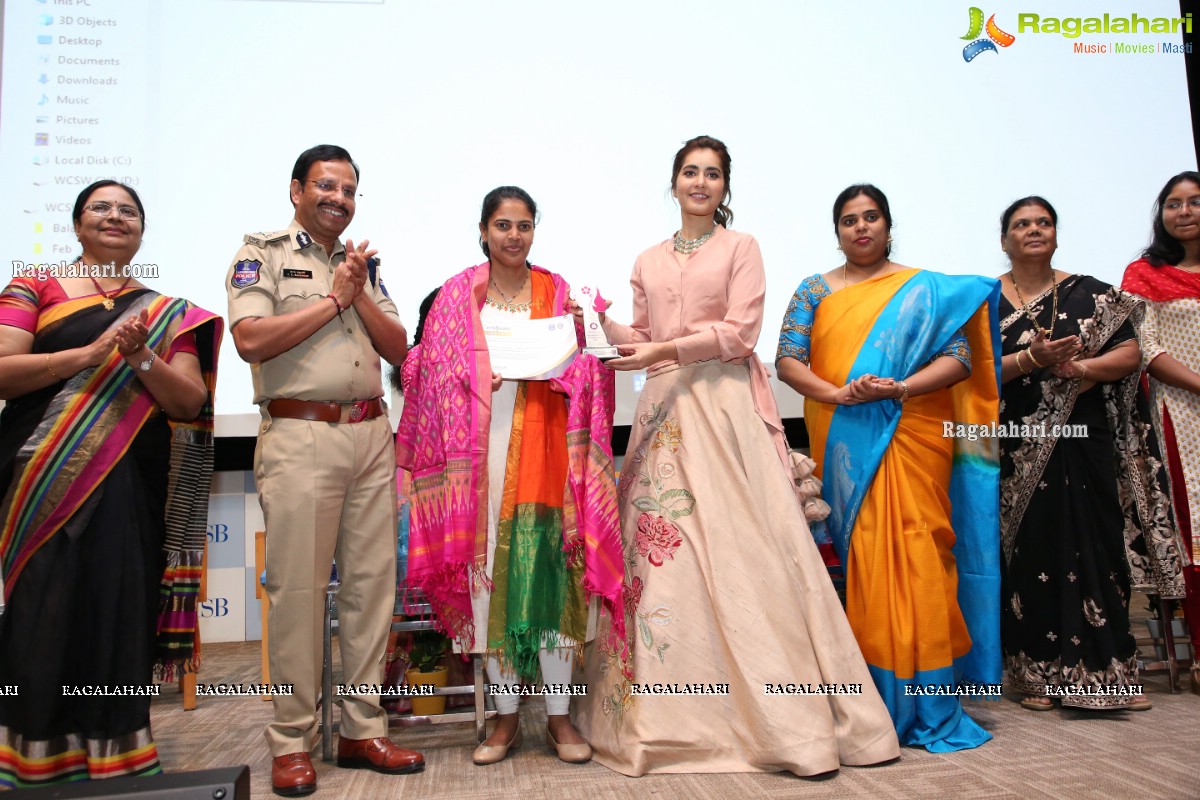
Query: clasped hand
column 350, row 277
column 1069, row 369
column 131, row 335
column 867, row 389
column 1048, row 353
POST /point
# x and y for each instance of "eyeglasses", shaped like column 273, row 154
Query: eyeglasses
column 348, row 192
column 1175, row 205
column 103, row 209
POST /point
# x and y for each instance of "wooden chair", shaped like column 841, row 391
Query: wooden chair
column 1171, row 664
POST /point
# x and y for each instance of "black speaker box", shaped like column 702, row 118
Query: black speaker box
column 226, row 783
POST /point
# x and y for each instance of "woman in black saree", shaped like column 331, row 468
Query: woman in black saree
column 1074, row 477
column 103, row 504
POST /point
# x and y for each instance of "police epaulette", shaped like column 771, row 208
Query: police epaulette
column 261, row 239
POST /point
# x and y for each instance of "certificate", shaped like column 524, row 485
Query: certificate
column 531, row 349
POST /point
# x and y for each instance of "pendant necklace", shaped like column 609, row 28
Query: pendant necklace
column 508, row 304
column 1048, row 333
column 108, row 302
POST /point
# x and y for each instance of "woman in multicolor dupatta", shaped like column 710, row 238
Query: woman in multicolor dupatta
column 1167, row 277
column 742, row 659
column 891, row 360
column 104, row 505
column 1076, row 479
column 513, row 521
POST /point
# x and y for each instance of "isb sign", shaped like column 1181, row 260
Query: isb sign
column 214, row 607
column 218, row 533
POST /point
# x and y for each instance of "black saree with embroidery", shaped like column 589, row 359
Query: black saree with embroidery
column 1084, row 515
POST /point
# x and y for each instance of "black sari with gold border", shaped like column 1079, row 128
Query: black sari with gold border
column 1083, row 518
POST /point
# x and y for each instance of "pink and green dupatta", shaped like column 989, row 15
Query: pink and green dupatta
column 443, row 442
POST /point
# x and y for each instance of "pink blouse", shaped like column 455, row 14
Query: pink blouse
column 711, row 307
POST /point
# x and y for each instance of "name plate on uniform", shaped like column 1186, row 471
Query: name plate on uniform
column 531, row 349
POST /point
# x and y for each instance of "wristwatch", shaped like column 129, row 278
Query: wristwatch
column 145, row 365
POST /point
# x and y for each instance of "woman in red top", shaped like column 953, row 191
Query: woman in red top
column 1167, row 277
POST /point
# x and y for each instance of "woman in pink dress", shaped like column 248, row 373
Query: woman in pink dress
column 741, row 657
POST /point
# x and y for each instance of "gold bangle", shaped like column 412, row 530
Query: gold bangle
column 1029, row 351
column 50, row 369
column 1018, row 361
column 903, row 392
column 1082, row 370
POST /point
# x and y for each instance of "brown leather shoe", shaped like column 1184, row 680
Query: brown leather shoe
column 292, row 775
column 381, row 755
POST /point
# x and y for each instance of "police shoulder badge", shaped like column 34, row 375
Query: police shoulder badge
column 245, row 273
column 262, row 239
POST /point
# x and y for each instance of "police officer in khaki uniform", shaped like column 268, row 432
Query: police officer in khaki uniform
column 312, row 317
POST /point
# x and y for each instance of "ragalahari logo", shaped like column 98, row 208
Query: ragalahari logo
column 995, row 36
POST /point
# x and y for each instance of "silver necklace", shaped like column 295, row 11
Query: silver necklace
column 689, row 246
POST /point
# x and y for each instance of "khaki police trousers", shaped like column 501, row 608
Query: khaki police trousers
column 327, row 491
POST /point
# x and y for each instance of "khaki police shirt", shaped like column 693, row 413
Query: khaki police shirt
column 276, row 273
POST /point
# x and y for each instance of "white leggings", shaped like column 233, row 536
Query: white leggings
column 556, row 671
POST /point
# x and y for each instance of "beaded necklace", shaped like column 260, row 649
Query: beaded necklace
column 689, row 246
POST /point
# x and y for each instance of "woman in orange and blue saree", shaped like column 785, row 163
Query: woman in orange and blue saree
column 894, row 364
